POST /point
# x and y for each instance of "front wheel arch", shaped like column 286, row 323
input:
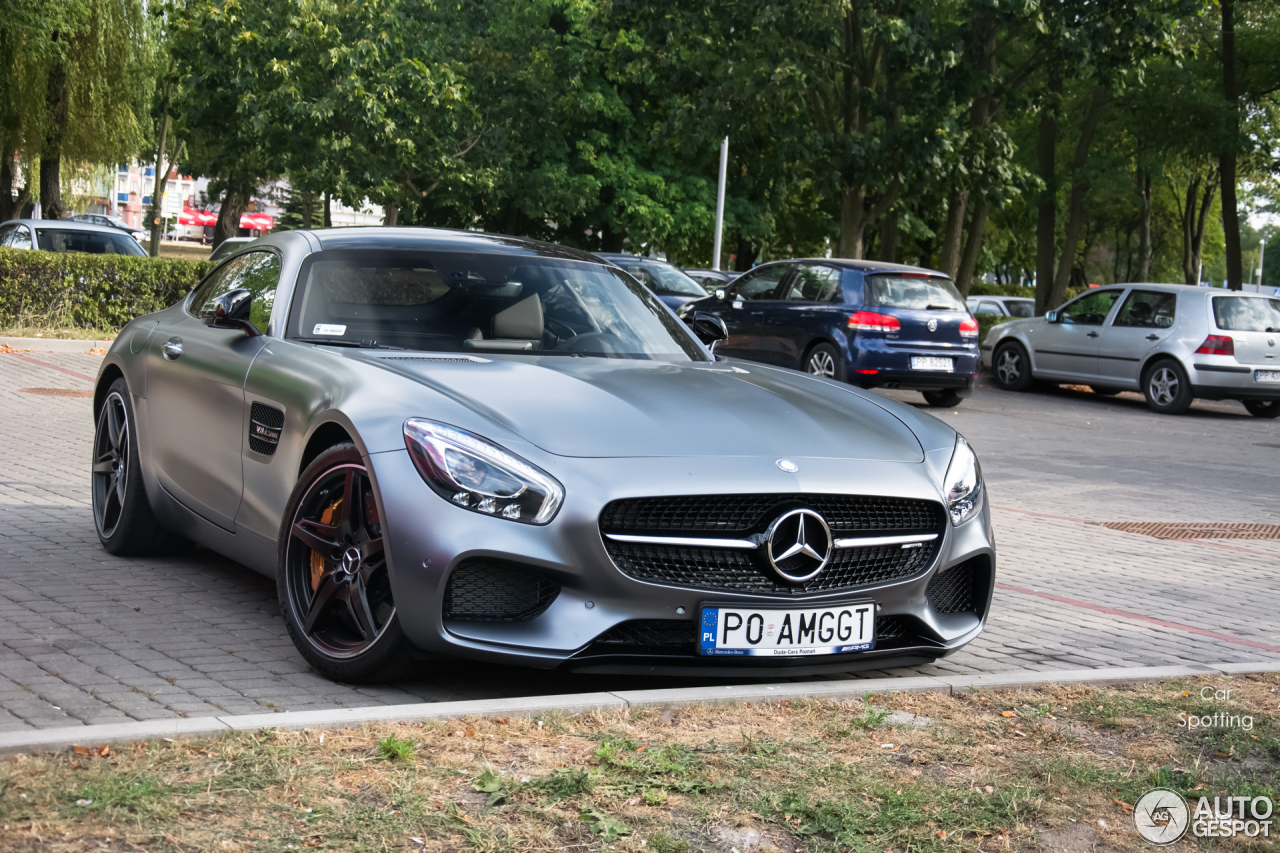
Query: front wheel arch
column 110, row 374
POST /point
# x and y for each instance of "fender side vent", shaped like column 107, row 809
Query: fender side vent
column 265, row 424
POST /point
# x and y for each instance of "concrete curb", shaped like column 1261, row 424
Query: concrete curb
column 54, row 344
column 58, row 739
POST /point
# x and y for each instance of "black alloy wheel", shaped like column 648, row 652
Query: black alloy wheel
column 1262, row 408
column 1011, row 367
column 122, row 514
column 333, row 575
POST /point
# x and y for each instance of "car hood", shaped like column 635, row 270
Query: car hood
column 596, row 407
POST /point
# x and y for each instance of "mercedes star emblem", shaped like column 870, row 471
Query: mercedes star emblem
column 351, row 561
column 788, row 466
column 933, row 325
column 798, row 544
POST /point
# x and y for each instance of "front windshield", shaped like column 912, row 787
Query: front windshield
column 913, row 291
column 662, row 279
column 476, row 302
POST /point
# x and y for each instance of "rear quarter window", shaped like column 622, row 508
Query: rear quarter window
column 1246, row 313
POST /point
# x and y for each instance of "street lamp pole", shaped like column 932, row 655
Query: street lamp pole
column 724, row 168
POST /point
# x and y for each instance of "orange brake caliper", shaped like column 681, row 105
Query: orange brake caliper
column 317, row 561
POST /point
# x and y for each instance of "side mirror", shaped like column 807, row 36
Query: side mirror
column 709, row 328
column 720, row 293
column 1051, row 316
column 231, row 311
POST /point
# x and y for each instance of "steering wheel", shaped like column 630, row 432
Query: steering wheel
column 583, row 343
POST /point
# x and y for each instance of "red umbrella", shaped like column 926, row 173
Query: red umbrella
column 256, row 221
column 188, row 217
column 206, row 217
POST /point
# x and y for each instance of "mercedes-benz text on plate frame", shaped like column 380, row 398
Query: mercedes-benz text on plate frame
column 451, row 445
column 787, row 632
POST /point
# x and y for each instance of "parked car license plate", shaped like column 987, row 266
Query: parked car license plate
column 786, row 632
column 924, row 362
column 1266, row 376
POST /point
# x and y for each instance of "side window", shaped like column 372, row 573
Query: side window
column 988, row 308
column 1147, row 309
column 257, row 272
column 14, row 236
column 1090, row 309
column 813, row 283
column 760, row 283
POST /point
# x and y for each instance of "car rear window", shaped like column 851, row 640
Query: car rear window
column 90, row 242
column 662, row 279
column 1246, row 313
column 1020, row 307
column 918, row 292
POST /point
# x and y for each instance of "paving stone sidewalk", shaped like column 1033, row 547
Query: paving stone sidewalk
column 88, row 638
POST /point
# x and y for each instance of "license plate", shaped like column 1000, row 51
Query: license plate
column 786, row 632
column 923, row 362
column 1266, row 376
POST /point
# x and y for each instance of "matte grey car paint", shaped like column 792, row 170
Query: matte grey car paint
column 605, row 428
column 1117, row 357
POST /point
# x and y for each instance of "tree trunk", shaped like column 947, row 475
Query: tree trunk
column 889, row 238
column 234, row 202
column 308, row 208
column 10, row 207
column 1197, row 238
column 853, row 222
column 745, row 256
column 156, row 223
column 391, row 214
column 969, row 260
column 610, row 240
column 1079, row 189
column 952, row 232
column 51, row 156
column 1047, row 204
column 328, row 210
column 1144, row 230
column 1227, row 162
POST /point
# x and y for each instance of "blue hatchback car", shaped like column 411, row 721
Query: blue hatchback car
column 871, row 324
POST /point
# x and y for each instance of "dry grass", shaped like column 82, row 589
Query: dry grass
column 1049, row 769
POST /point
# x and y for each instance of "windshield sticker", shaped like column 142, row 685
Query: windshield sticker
column 322, row 329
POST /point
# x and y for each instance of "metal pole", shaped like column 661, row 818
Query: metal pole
column 724, row 168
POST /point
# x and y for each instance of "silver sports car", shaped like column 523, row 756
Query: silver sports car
column 448, row 443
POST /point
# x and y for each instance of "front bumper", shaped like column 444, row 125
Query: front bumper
column 427, row 538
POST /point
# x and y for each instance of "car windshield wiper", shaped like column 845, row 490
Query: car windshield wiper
column 934, row 307
column 329, row 342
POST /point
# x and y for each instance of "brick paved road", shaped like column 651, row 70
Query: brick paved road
column 90, row 638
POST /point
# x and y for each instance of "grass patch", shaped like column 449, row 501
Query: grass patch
column 1028, row 770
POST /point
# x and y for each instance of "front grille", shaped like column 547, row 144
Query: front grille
column 741, row 513
column 671, row 633
column 488, row 591
column 954, row 590
column 738, row 516
column 265, row 423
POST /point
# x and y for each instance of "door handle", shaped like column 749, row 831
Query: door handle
column 1091, row 335
column 171, row 348
column 1153, row 337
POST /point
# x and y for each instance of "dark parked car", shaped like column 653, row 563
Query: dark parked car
column 666, row 280
column 872, row 324
column 712, row 280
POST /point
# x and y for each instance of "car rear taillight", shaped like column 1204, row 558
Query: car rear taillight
column 1218, row 345
column 968, row 328
column 870, row 321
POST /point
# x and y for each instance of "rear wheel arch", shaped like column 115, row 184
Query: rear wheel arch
column 1158, row 356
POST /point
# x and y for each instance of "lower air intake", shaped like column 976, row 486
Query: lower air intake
column 956, row 590
column 489, row 591
column 671, row 633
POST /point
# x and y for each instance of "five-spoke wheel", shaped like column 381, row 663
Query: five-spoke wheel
column 110, row 464
column 333, row 573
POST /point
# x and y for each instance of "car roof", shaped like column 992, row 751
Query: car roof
column 865, row 267
column 623, row 256
column 404, row 237
column 66, row 224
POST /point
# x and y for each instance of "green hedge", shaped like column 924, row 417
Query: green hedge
column 75, row 290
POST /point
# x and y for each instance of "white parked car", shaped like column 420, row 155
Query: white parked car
column 1172, row 342
column 1002, row 306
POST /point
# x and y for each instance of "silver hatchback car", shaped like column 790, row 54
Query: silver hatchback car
column 1172, row 342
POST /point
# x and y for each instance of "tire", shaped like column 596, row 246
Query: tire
column 1262, row 408
column 1104, row 392
column 1011, row 367
column 331, row 574
column 944, row 399
column 122, row 515
column 826, row 361
column 1166, row 387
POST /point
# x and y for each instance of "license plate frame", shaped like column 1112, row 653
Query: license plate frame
column 935, row 363
column 711, row 631
column 1267, row 376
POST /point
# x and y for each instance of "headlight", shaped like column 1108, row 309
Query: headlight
column 467, row 470
column 963, row 484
